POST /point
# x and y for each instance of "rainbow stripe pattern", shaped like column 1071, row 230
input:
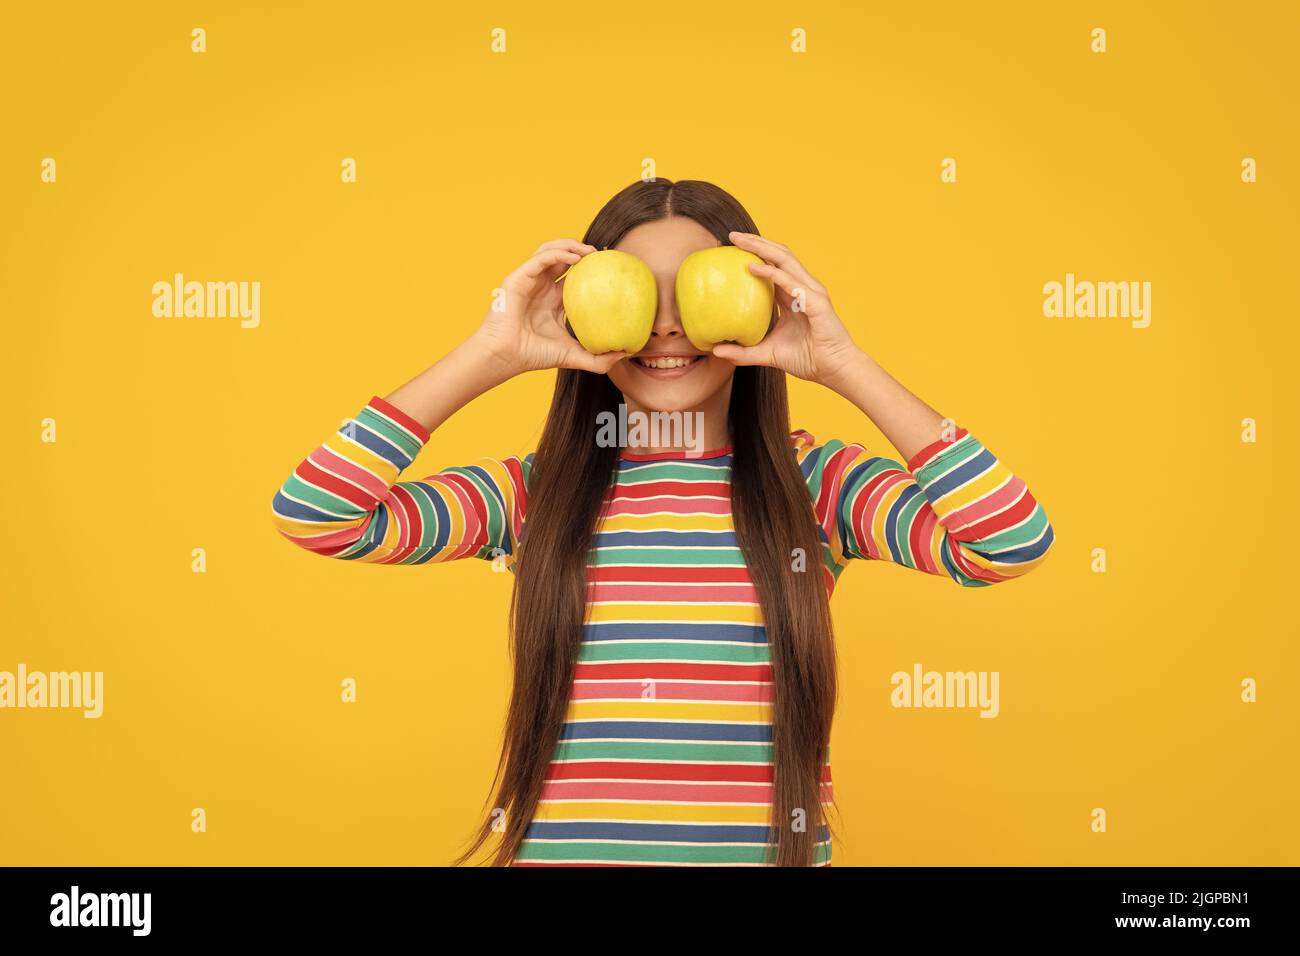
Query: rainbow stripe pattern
column 665, row 757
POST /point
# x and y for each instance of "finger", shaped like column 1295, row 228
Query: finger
column 544, row 260
column 781, row 256
column 760, row 354
column 761, row 245
column 788, row 284
column 573, row 245
column 580, row 358
column 777, row 254
column 523, row 278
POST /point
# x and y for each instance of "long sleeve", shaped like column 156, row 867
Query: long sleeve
column 955, row 510
column 344, row 500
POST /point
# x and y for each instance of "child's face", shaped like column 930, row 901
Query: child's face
column 662, row 245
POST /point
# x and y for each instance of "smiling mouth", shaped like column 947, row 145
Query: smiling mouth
column 665, row 362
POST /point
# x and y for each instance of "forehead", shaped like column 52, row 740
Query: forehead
column 664, row 243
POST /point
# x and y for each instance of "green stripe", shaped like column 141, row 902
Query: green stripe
column 824, row 453
column 496, row 523
column 903, row 530
column 590, row 651
column 673, row 471
column 421, row 492
column 1032, row 530
column 656, row 853
column 370, row 419
column 960, row 452
column 296, row 488
column 662, row 750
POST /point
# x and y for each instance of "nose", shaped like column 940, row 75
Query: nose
column 668, row 324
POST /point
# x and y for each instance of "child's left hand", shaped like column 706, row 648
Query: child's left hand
column 808, row 340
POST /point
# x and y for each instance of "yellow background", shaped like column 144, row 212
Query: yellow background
column 1119, row 690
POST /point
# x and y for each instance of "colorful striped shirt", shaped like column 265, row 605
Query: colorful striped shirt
column 665, row 757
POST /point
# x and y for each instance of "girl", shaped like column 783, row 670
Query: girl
column 674, row 669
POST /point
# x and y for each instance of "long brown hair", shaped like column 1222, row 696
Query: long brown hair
column 773, row 516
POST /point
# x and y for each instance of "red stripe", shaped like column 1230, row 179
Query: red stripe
column 663, row 574
column 680, row 455
column 399, row 416
column 633, row 689
column 671, row 670
column 860, row 525
column 833, row 476
column 329, row 547
column 515, row 518
column 920, row 538
column 922, row 457
column 869, row 501
column 999, row 522
column 651, row 770
column 641, row 592
column 349, row 470
column 687, row 489
column 313, row 475
column 406, row 512
column 673, row 506
column 473, row 511
column 658, row 791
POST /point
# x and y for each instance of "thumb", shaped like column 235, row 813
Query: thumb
column 760, row 354
column 580, row 358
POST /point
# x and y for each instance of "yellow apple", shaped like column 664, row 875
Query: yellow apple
column 610, row 300
column 720, row 300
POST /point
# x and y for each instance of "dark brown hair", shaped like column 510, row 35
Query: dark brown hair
column 773, row 515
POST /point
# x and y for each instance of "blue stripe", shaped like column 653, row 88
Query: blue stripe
column 851, row 483
column 293, row 509
column 1019, row 555
column 380, row 445
column 441, row 518
column 811, row 462
column 910, row 491
column 675, row 631
column 486, row 479
column 971, row 470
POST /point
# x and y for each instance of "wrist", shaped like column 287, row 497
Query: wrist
column 848, row 371
column 497, row 365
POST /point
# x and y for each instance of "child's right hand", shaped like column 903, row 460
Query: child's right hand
column 529, row 333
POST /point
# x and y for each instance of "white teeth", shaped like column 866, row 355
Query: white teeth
column 665, row 362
